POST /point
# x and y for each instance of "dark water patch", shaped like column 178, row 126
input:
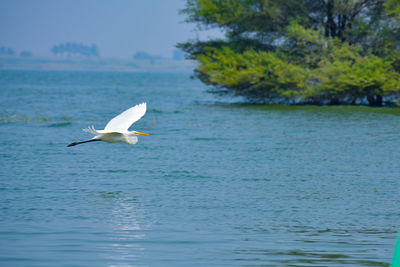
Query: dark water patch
column 114, row 171
column 257, row 179
column 327, row 230
column 377, row 231
column 60, row 124
column 6, row 117
column 115, row 194
column 206, row 139
column 311, row 255
column 371, row 263
column 296, row 257
column 34, row 117
column 337, row 110
column 14, row 259
column 184, row 176
column 318, row 255
column 215, row 102
column 159, row 111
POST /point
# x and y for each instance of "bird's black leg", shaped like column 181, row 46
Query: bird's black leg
column 87, row 141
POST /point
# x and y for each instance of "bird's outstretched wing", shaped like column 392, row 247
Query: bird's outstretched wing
column 124, row 120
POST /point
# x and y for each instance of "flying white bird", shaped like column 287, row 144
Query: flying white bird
column 116, row 129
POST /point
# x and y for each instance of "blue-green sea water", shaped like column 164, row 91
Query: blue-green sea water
column 214, row 184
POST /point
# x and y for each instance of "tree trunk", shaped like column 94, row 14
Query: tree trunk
column 342, row 27
column 375, row 100
column 334, row 101
column 330, row 26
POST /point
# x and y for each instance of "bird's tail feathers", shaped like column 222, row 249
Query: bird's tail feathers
column 91, row 130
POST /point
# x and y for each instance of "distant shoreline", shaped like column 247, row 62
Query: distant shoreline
column 96, row 64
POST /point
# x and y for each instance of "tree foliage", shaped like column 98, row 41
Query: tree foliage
column 300, row 51
column 257, row 75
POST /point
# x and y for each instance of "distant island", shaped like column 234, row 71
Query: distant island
column 80, row 57
column 141, row 55
column 177, row 55
column 6, row 51
column 25, row 54
column 9, row 52
column 95, row 64
column 69, row 49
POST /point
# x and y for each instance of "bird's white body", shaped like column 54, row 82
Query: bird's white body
column 113, row 137
column 116, row 129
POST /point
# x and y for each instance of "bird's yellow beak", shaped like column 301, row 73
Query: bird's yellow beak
column 139, row 133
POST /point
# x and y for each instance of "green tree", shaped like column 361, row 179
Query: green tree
column 255, row 75
column 310, row 51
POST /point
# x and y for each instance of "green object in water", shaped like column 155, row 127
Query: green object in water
column 396, row 256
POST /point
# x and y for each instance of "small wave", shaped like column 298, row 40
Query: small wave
column 105, row 194
column 205, row 138
column 60, row 124
column 114, row 171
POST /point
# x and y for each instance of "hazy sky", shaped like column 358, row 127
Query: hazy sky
column 118, row 27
